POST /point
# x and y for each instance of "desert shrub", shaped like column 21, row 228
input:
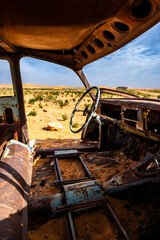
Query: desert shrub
column 145, row 95
column 105, row 95
column 74, row 99
column 49, row 98
column 54, row 92
column 89, row 105
column 66, row 102
column 158, row 96
column 32, row 100
column 79, row 94
column 62, row 104
column 64, row 117
column 154, row 90
column 55, row 101
column 26, row 92
column 38, row 97
column 129, row 91
column 75, row 125
column 40, row 105
column 32, row 113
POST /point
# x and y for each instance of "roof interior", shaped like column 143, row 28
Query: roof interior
column 52, row 29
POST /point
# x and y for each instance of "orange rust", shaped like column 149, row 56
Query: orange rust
column 15, row 178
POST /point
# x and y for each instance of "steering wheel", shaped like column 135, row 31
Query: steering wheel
column 89, row 113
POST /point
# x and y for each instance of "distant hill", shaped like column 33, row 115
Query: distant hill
column 26, row 85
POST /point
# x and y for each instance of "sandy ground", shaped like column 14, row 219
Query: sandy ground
column 37, row 125
column 90, row 226
column 52, row 112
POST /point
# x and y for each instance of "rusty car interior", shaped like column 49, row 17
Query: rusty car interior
column 115, row 176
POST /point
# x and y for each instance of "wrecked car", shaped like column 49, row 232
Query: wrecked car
column 74, row 34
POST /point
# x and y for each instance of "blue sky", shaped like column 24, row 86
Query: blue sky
column 135, row 65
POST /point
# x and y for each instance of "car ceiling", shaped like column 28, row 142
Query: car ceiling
column 73, row 33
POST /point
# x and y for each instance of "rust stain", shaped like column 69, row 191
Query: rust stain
column 15, row 176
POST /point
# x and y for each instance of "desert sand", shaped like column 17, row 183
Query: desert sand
column 47, row 109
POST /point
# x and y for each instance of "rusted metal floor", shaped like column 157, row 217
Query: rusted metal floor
column 64, row 143
column 51, row 174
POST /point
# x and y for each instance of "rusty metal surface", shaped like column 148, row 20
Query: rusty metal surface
column 67, row 153
column 2, row 146
column 117, row 37
column 146, row 172
column 15, row 179
column 115, row 221
column 140, row 128
column 9, row 127
column 83, row 191
column 86, row 168
column 135, row 103
column 42, row 206
column 87, row 205
column 65, row 182
column 80, row 206
column 18, row 89
column 62, row 154
column 7, row 100
column 87, row 20
column 58, row 16
column 71, row 231
column 127, row 177
column 39, row 204
column 5, row 132
column 83, row 78
column 50, row 151
column 58, row 169
column 74, row 198
column 16, row 120
column 102, row 158
column 145, row 134
column 115, row 92
column 6, row 45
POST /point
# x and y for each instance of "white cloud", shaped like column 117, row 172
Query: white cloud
column 135, row 65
